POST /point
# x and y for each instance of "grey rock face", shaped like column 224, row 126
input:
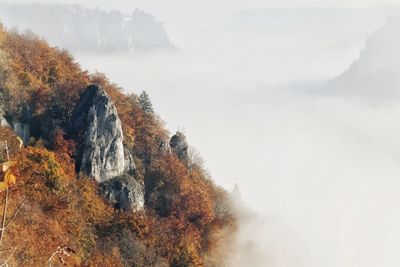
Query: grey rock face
column 21, row 125
column 124, row 193
column 22, row 130
column 96, row 124
column 3, row 121
column 130, row 167
column 180, row 146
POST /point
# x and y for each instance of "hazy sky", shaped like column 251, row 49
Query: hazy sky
column 183, row 16
column 169, row 10
column 225, row 4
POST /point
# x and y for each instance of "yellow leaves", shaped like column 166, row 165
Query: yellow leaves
column 40, row 73
column 93, row 206
column 3, row 186
column 7, row 165
column 9, row 178
column 8, row 142
column 21, row 143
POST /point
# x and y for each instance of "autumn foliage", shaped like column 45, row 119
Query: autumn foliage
column 185, row 214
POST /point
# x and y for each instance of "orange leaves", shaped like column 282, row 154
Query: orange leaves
column 94, row 208
column 6, row 166
column 9, row 180
column 101, row 258
column 13, row 143
column 39, row 168
column 184, row 212
column 62, row 209
column 186, row 231
column 42, row 73
column 140, row 224
column 64, row 150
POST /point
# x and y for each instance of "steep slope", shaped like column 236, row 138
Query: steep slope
column 77, row 28
column 96, row 119
column 375, row 74
column 95, row 177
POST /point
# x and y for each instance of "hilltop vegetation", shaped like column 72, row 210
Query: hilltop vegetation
column 185, row 216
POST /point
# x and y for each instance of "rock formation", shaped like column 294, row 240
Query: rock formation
column 21, row 126
column 124, row 192
column 22, row 130
column 180, row 146
column 95, row 120
column 3, row 121
column 102, row 156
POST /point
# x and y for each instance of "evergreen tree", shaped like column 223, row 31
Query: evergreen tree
column 145, row 103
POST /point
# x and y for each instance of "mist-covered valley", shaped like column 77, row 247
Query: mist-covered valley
column 320, row 167
column 304, row 122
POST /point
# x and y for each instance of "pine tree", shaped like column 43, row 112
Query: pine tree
column 145, row 103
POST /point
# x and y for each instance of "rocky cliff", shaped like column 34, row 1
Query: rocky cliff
column 95, row 123
column 96, row 177
column 180, row 146
column 3, row 120
column 78, row 28
column 96, row 127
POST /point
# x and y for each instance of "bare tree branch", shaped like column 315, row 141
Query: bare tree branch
column 16, row 212
column 9, row 257
column 4, row 216
column 60, row 252
column 5, row 203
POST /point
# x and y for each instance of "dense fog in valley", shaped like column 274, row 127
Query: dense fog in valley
column 300, row 112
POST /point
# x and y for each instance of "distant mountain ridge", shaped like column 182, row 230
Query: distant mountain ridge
column 74, row 27
column 376, row 73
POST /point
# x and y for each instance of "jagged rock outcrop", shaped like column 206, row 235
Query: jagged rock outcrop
column 97, row 128
column 130, row 166
column 3, row 120
column 21, row 125
column 124, row 192
column 22, row 130
column 96, row 124
column 180, row 146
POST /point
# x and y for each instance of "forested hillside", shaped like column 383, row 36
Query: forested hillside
column 90, row 175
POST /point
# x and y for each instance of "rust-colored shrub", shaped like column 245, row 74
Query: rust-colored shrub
column 185, row 216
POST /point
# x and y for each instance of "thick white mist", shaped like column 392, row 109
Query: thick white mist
column 320, row 172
